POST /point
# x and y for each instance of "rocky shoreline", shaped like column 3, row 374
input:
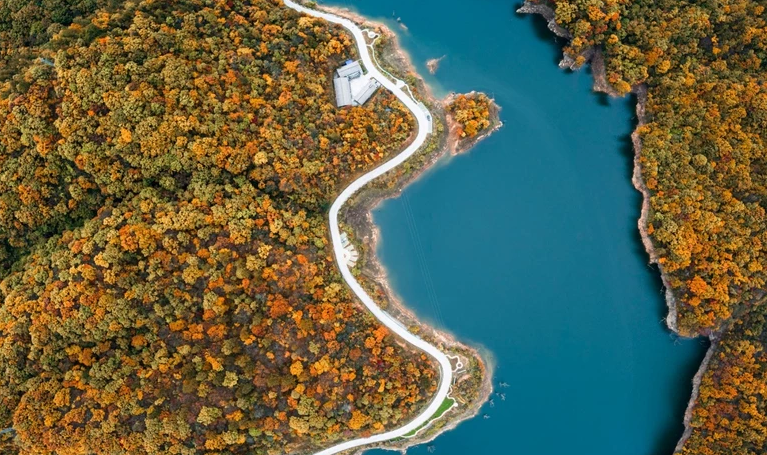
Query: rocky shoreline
column 596, row 59
column 548, row 14
column 642, row 223
column 357, row 215
column 695, row 393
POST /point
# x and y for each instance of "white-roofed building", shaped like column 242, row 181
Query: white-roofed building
column 343, row 91
column 353, row 88
column 366, row 92
column 351, row 70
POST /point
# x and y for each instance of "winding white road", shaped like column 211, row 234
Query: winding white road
column 423, row 130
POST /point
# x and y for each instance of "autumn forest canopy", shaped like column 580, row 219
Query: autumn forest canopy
column 472, row 113
column 703, row 160
column 166, row 276
column 167, row 280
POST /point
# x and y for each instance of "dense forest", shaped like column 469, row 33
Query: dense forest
column 25, row 25
column 167, row 280
column 471, row 112
column 704, row 162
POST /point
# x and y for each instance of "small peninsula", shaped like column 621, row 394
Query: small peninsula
column 471, row 386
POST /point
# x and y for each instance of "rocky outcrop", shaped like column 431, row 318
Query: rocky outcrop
column 433, row 64
column 601, row 85
column 548, row 14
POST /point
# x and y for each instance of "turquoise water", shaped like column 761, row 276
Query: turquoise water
column 528, row 247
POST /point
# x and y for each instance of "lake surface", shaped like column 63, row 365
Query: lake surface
column 528, row 246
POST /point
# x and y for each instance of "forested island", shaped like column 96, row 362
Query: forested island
column 168, row 284
column 698, row 72
column 471, row 118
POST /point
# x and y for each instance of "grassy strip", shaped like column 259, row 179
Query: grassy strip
column 447, row 403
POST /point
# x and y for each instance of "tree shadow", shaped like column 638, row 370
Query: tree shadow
column 603, row 99
column 668, row 440
column 541, row 31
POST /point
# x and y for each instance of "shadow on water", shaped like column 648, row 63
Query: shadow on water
column 668, row 439
column 671, row 436
column 603, row 99
column 541, row 30
column 627, row 152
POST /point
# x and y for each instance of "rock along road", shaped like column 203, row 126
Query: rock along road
column 424, row 127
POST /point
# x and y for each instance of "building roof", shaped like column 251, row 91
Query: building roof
column 350, row 70
column 343, row 91
column 363, row 95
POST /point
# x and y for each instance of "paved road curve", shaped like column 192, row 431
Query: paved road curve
column 335, row 234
